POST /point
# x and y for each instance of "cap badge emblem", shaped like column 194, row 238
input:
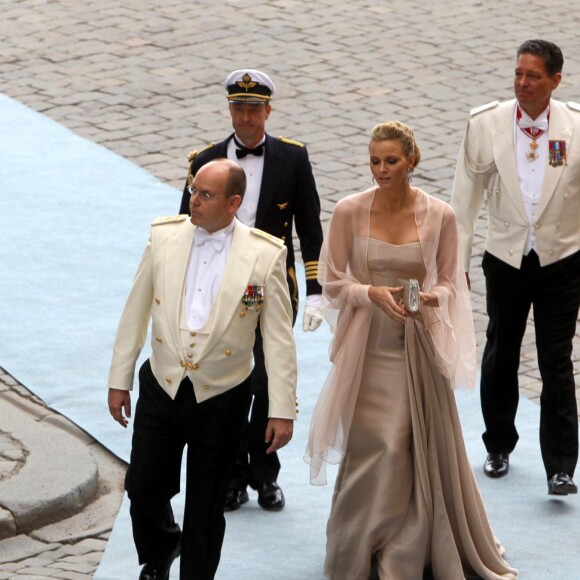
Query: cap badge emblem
column 246, row 83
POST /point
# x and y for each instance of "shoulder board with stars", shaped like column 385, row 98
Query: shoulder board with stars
column 260, row 233
column 172, row 219
column 291, row 141
column 483, row 108
column 193, row 154
column 572, row 105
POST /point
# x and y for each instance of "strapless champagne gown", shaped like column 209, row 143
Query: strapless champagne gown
column 405, row 496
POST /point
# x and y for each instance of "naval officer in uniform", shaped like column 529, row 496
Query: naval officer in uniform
column 281, row 192
column 206, row 282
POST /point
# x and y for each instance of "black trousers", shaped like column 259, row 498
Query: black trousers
column 162, row 427
column 253, row 465
column 554, row 294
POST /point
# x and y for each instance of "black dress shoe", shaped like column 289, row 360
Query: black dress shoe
column 153, row 572
column 235, row 499
column 159, row 570
column 496, row 464
column 561, row 484
column 270, row 497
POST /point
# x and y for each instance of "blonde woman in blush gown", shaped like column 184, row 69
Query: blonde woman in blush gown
column 406, row 502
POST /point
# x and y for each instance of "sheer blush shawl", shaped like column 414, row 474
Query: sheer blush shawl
column 345, row 280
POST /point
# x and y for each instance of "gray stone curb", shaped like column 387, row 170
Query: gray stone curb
column 60, row 490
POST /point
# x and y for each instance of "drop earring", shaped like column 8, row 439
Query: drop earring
column 409, row 175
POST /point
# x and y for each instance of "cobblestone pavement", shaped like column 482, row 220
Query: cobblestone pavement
column 143, row 78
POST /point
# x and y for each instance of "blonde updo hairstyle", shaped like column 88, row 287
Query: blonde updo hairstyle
column 397, row 131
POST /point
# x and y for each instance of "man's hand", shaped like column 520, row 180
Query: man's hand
column 278, row 433
column 120, row 401
column 312, row 318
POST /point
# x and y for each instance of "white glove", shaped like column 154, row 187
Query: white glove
column 312, row 318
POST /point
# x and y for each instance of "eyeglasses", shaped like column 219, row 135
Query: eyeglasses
column 203, row 195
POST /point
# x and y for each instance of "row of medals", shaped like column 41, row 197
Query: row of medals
column 557, row 152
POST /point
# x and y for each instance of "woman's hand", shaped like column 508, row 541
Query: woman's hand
column 425, row 299
column 383, row 297
column 429, row 299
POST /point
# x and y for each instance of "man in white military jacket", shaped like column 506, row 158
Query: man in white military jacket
column 522, row 159
column 205, row 282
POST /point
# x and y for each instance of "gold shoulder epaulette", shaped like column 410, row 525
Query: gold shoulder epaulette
column 574, row 106
column 483, row 108
column 193, row 154
column 267, row 236
column 171, row 219
column 291, row 142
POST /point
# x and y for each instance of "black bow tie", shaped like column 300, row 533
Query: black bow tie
column 242, row 151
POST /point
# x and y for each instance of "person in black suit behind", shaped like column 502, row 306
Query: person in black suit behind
column 280, row 191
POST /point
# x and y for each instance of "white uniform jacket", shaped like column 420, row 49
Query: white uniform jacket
column 487, row 172
column 224, row 359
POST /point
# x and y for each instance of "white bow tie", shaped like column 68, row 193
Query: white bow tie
column 216, row 240
column 528, row 124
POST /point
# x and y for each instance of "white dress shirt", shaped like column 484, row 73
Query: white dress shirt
column 205, row 272
column 531, row 172
column 253, row 165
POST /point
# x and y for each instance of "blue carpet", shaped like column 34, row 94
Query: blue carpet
column 74, row 219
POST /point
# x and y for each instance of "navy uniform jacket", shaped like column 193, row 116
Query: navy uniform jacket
column 287, row 193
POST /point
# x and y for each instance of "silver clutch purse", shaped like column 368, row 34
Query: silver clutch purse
column 411, row 298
